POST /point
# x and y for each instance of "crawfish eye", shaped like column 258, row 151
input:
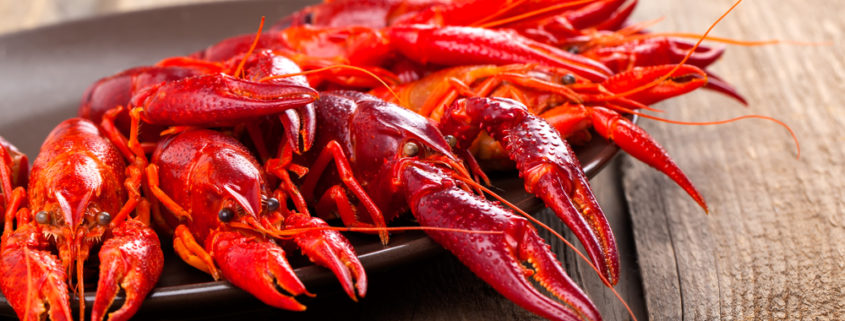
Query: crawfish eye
column 451, row 140
column 272, row 204
column 104, row 218
column 226, row 214
column 410, row 149
column 574, row 50
column 309, row 18
column 42, row 217
column 568, row 79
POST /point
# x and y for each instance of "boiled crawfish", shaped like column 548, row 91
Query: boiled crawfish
column 392, row 160
column 79, row 197
column 225, row 219
column 216, row 197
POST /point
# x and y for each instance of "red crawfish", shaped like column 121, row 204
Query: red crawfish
column 387, row 159
column 225, row 218
column 214, row 189
column 79, row 198
column 571, row 105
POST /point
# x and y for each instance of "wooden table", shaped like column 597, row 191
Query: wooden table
column 773, row 245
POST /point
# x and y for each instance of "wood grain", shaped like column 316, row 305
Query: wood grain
column 772, row 247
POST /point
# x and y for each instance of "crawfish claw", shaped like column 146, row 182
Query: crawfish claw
column 332, row 250
column 31, row 278
column 132, row 259
column 546, row 163
column 259, row 266
column 437, row 201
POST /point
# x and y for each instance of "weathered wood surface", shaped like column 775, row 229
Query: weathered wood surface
column 773, row 246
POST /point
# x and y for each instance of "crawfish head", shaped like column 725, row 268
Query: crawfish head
column 73, row 200
column 378, row 139
column 218, row 183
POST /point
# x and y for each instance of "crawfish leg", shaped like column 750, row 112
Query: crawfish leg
column 183, row 241
column 153, row 183
column 279, row 167
column 18, row 196
column 546, row 163
column 131, row 259
column 334, row 151
column 5, row 176
column 192, row 253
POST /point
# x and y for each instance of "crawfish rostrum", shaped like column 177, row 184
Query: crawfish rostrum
column 231, row 150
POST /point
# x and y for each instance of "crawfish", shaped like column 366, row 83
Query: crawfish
column 79, row 197
column 388, row 159
column 215, row 195
column 225, row 219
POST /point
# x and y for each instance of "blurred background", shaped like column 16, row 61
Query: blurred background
column 19, row 15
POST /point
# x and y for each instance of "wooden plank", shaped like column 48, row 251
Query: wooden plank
column 772, row 246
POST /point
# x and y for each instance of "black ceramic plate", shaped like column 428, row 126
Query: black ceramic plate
column 43, row 73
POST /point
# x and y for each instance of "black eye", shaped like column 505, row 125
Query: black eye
column 272, row 204
column 410, row 149
column 226, row 214
column 451, row 140
column 308, row 19
column 574, row 50
column 568, row 79
column 42, row 217
column 104, row 218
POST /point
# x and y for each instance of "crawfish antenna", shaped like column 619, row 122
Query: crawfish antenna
column 683, row 61
column 80, row 286
column 239, row 71
column 720, row 122
column 484, row 23
column 342, row 66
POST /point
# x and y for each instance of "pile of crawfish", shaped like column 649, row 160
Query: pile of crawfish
column 352, row 111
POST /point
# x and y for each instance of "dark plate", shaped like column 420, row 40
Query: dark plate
column 43, row 73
